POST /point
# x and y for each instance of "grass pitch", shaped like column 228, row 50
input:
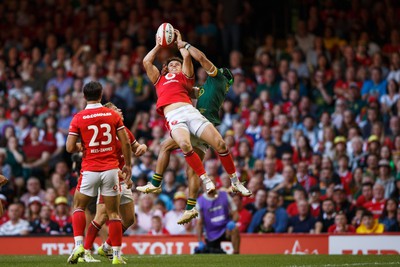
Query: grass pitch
column 216, row 260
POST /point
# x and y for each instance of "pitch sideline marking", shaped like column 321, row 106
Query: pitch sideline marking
column 351, row 264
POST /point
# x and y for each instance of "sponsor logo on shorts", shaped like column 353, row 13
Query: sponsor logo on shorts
column 115, row 187
column 174, row 122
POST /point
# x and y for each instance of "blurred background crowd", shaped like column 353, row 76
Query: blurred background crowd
column 312, row 118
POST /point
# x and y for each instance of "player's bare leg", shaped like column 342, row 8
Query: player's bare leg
column 127, row 213
column 214, row 139
column 163, row 159
column 154, row 186
column 95, row 226
column 115, row 226
column 78, row 224
column 182, row 138
column 194, row 187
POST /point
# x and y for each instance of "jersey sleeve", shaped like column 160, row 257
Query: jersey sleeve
column 119, row 124
column 73, row 127
column 132, row 138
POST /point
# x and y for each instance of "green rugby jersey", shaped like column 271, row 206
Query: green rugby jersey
column 211, row 96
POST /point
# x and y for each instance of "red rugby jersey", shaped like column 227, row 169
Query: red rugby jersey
column 172, row 88
column 132, row 141
column 97, row 126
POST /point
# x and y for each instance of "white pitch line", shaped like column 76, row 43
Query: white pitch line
column 351, row 264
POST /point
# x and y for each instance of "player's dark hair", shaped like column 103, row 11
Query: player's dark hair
column 174, row 59
column 92, row 91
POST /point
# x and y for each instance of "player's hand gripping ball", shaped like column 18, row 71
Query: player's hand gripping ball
column 165, row 34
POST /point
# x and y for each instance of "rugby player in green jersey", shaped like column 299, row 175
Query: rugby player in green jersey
column 210, row 97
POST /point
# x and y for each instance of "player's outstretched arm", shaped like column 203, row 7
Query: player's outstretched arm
column 151, row 70
column 127, row 152
column 187, row 66
column 202, row 59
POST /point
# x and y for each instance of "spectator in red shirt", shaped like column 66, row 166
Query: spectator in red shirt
column 341, row 225
column 244, row 214
column 298, row 194
column 61, row 215
column 346, row 177
column 342, row 87
column 314, row 198
column 366, row 194
column 303, row 151
column 303, row 178
column 378, row 201
column 157, row 227
column 36, row 153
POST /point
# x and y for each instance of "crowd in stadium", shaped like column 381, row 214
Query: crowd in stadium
column 312, row 120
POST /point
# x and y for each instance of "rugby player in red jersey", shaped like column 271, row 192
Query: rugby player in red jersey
column 209, row 101
column 126, row 208
column 98, row 127
column 174, row 103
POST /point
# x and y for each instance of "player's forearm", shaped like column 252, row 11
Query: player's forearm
column 151, row 56
column 195, row 53
column 72, row 146
column 200, row 57
column 187, row 65
column 127, row 152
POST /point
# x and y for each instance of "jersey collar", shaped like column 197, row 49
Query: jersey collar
column 92, row 106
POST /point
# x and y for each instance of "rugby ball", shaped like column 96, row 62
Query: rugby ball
column 165, row 34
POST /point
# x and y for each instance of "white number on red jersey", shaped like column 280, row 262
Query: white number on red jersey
column 107, row 133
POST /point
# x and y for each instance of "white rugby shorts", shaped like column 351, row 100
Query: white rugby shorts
column 189, row 118
column 126, row 195
column 106, row 182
